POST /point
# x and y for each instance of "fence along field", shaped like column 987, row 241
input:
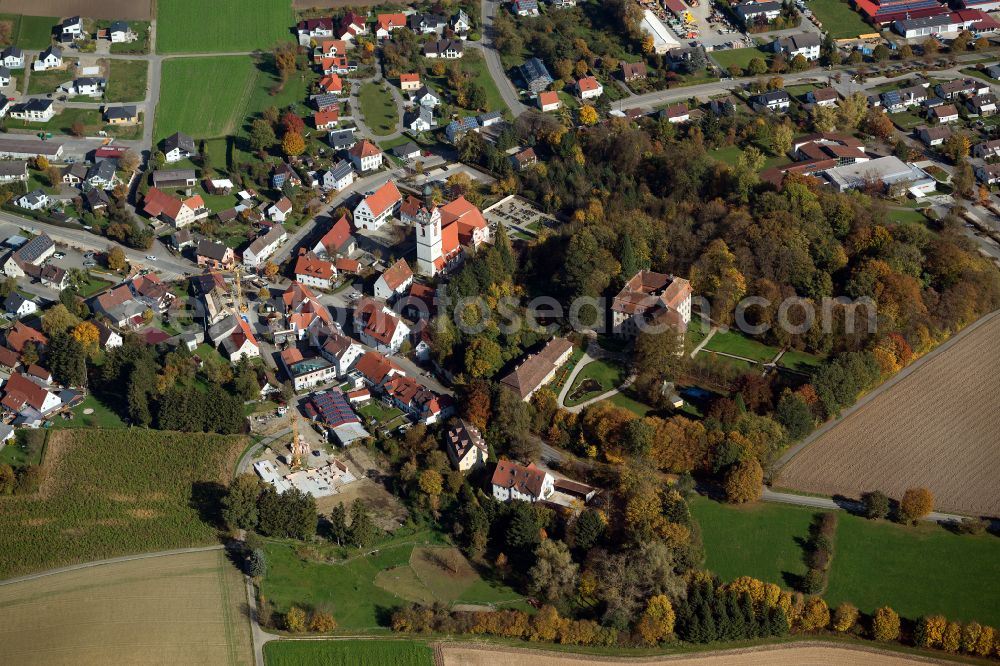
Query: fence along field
column 937, row 428
column 116, row 492
column 188, row 608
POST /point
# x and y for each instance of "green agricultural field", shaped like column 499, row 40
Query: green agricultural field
column 204, row 97
column 593, row 379
column 378, row 109
column 116, row 492
column 127, row 81
column 348, row 653
column 916, row 570
column 732, row 342
column 839, row 19
column 361, row 590
column 29, row 32
column 179, row 30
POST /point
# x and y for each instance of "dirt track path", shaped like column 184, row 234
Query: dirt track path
column 797, row 654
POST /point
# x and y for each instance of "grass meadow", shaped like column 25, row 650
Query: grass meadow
column 203, row 97
column 179, row 30
column 732, row 342
column 114, row 492
column 348, row 653
column 917, row 570
column 177, row 609
column 600, row 376
column 127, row 81
column 378, row 109
column 839, row 19
column 28, row 32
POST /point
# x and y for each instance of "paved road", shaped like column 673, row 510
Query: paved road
column 900, row 376
column 113, row 560
column 846, row 505
column 507, row 90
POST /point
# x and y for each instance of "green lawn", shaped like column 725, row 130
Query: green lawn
column 907, row 120
column 378, row 109
column 727, row 155
column 348, row 653
column 475, row 65
column 127, row 81
column 30, row 32
column 376, row 410
column 348, row 589
column 90, row 120
column 839, row 19
column 25, row 449
column 732, row 342
column 916, row 570
column 607, row 375
column 626, row 401
column 183, row 26
column 102, row 416
column 204, row 97
column 93, row 285
column 697, row 330
column 801, row 361
column 41, row 83
column 739, row 57
column 907, row 217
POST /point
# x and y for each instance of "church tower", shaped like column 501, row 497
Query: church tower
column 428, row 228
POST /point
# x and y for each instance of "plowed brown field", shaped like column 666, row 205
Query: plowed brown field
column 773, row 655
column 126, row 10
column 938, row 428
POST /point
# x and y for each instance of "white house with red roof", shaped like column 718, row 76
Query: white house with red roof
column 159, row 204
column 377, row 207
column 365, row 156
column 386, row 23
column 303, row 311
column 394, row 281
column 315, row 272
column 280, row 210
column 375, row 369
column 314, row 29
column 28, row 399
column 589, row 87
column 513, row 481
column 242, row 343
column 338, row 240
column 378, row 326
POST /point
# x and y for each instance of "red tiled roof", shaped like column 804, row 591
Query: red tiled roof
column 383, row 198
column 312, row 266
column 21, row 333
column 326, row 116
column 548, row 97
column 338, row 234
column 469, row 217
column 364, row 148
column 331, row 83
column 410, row 78
column 397, row 274
column 527, row 480
column 375, row 367
column 391, row 21
column 19, row 390
column 587, row 84
column 347, row 265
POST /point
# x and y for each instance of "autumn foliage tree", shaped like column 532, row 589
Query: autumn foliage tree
column 293, row 144
column 916, row 503
column 885, row 624
column 656, row 622
column 588, row 115
column 844, row 617
column 744, row 482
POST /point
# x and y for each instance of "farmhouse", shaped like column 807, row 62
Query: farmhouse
column 377, row 207
column 29, row 400
column 179, row 146
column 158, row 203
column 175, row 178
column 338, row 240
column 512, row 481
column 312, row 271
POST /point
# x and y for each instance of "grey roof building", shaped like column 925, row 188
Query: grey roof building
column 536, row 76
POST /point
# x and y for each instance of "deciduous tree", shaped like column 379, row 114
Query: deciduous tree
column 744, row 482
column 915, row 504
column 885, row 624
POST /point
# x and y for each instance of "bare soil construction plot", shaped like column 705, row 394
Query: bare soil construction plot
column 126, row 10
column 177, row 609
column 772, row 655
column 937, row 428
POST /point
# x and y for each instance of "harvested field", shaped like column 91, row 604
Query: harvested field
column 936, row 428
column 126, row 10
column 188, row 608
column 772, row 655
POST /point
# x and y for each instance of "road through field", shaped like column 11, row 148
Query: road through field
column 933, row 426
column 796, row 654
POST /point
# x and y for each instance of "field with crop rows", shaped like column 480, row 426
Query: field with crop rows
column 204, row 97
column 234, row 25
column 937, row 428
column 115, row 492
column 348, row 653
column 187, row 608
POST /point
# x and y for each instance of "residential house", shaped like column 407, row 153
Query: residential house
column 456, row 129
column 426, row 97
column 12, row 58
column 513, row 481
column 409, row 82
column 535, row 75
column 408, row 151
column 420, row 119
column 34, row 200
column 946, row 113
column 72, row 27
column 539, row 369
column 341, row 139
column 88, row 86
column 633, row 71
column 378, row 327
column 416, row 400
column 461, row 24
column 159, row 204
column 306, row 372
column 280, row 210
column 589, row 88
column 119, row 32
column 329, row 48
column 218, row 186
column 50, row 276
column 723, row 106
column 426, row 24
column 263, row 247
column 446, row 49
column 5, row 76
column 314, row 29
column 338, row 240
column 119, row 306
column 303, row 312
column 466, row 447
column 326, row 119
column 30, row 400
column 242, row 343
column 179, row 146
column 548, row 101
column 987, row 149
column 805, row 44
column 677, row 113
column 378, row 206
column 385, row 24
column 152, row 292
column 341, row 351
column 339, row 177
column 331, row 84
column 394, row 281
column 121, row 115
column 312, row 271
column 74, row 173
column 757, row 13
column 28, row 256
column 174, row 178
column 325, row 101
column 935, row 136
column 102, row 175
column 993, row 71
column 823, row 96
column 988, row 174
column 651, row 301
column 34, row 110
column 13, row 170
column 21, row 334
column 772, row 100
column 96, row 200
column 284, row 174
column 525, row 7
column 913, row 95
column 19, row 306
column 109, row 338
column 982, row 105
column 214, row 255
column 365, row 156
column 351, row 25
column 524, row 159
column 950, row 90
column 50, row 58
